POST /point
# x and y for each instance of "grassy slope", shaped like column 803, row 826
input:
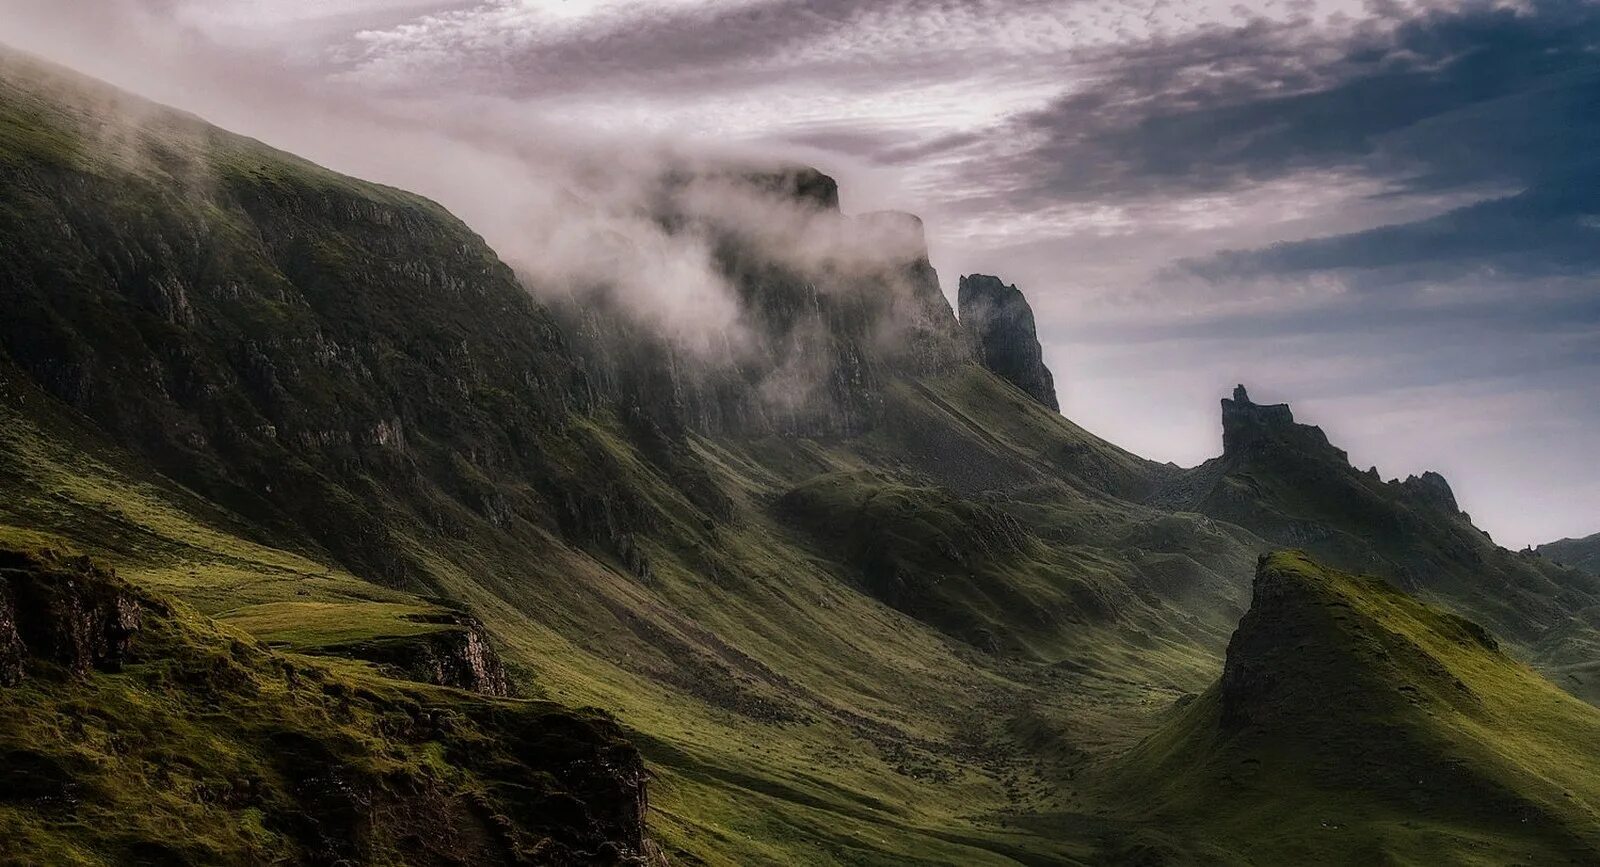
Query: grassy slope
column 205, row 747
column 1578, row 553
column 788, row 716
column 1361, row 726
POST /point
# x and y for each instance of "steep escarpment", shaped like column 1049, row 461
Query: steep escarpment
column 1353, row 723
column 1285, row 482
column 1000, row 321
column 282, row 760
column 832, row 309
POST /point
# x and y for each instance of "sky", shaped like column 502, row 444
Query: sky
column 1386, row 213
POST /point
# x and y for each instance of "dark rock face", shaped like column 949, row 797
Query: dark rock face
column 459, row 656
column 821, row 338
column 64, row 611
column 1247, row 425
column 1001, row 324
column 1432, row 490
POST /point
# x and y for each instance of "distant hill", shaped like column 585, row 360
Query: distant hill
column 1285, row 481
column 1578, row 553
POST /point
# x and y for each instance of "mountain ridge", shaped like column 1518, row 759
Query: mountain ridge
column 884, row 606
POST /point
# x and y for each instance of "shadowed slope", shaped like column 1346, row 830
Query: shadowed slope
column 1581, row 554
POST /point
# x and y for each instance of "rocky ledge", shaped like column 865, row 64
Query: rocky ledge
column 1248, row 426
column 62, row 611
column 458, row 654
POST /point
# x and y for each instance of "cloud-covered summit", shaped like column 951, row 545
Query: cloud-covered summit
column 1385, row 210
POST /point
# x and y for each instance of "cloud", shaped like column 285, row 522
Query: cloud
column 1342, row 196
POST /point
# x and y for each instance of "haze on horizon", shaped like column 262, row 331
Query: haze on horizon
column 1386, row 213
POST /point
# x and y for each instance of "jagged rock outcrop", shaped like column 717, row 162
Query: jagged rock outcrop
column 1285, row 482
column 64, row 611
column 1247, row 425
column 1000, row 322
column 1431, row 491
column 459, row 654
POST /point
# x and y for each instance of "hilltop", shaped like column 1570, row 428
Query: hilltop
column 1353, row 724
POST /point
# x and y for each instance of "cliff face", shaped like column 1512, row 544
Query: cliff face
column 828, row 319
column 1247, row 425
column 283, row 762
column 1000, row 321
column 62, row 612
column 1285, row 482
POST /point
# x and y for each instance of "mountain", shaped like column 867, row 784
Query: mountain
column 1581, row 554
column 1286, row 483
column 1353, row 724
column 851, row 594
column 1000, row 321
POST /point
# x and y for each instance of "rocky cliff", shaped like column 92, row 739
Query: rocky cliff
column 282, row 761
column 1248, row 425
column 1284, row 481
column 1000, row 322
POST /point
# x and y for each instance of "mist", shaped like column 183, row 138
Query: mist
column 578, row 213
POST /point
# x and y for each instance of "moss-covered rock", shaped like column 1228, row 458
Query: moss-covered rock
column 206, row 748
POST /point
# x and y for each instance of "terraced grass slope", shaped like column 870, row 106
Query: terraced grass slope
column 1354, row 724
column 134, row 730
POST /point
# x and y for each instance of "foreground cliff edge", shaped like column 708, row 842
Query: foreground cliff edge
column 133, row 730
column 883, row 606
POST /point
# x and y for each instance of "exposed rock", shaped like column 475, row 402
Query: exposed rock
column 802, row 183
column 1245, row 423
column 459, row 656
column 1432, row 490
column 62, row 610
column 1001, row 324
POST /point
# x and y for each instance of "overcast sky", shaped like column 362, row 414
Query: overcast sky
column 1386, row 213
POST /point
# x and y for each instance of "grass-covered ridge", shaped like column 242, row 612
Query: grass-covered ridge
column 1353, row 723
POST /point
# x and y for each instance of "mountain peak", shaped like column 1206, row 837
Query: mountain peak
column 1001, row 323
column 1247, row 425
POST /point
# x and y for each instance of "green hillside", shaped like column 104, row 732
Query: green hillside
column 1353, row 724
column 891, row 610
column 134, row 731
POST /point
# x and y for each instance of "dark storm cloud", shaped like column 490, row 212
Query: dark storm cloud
column 1443, row 100
column 1550, row 230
